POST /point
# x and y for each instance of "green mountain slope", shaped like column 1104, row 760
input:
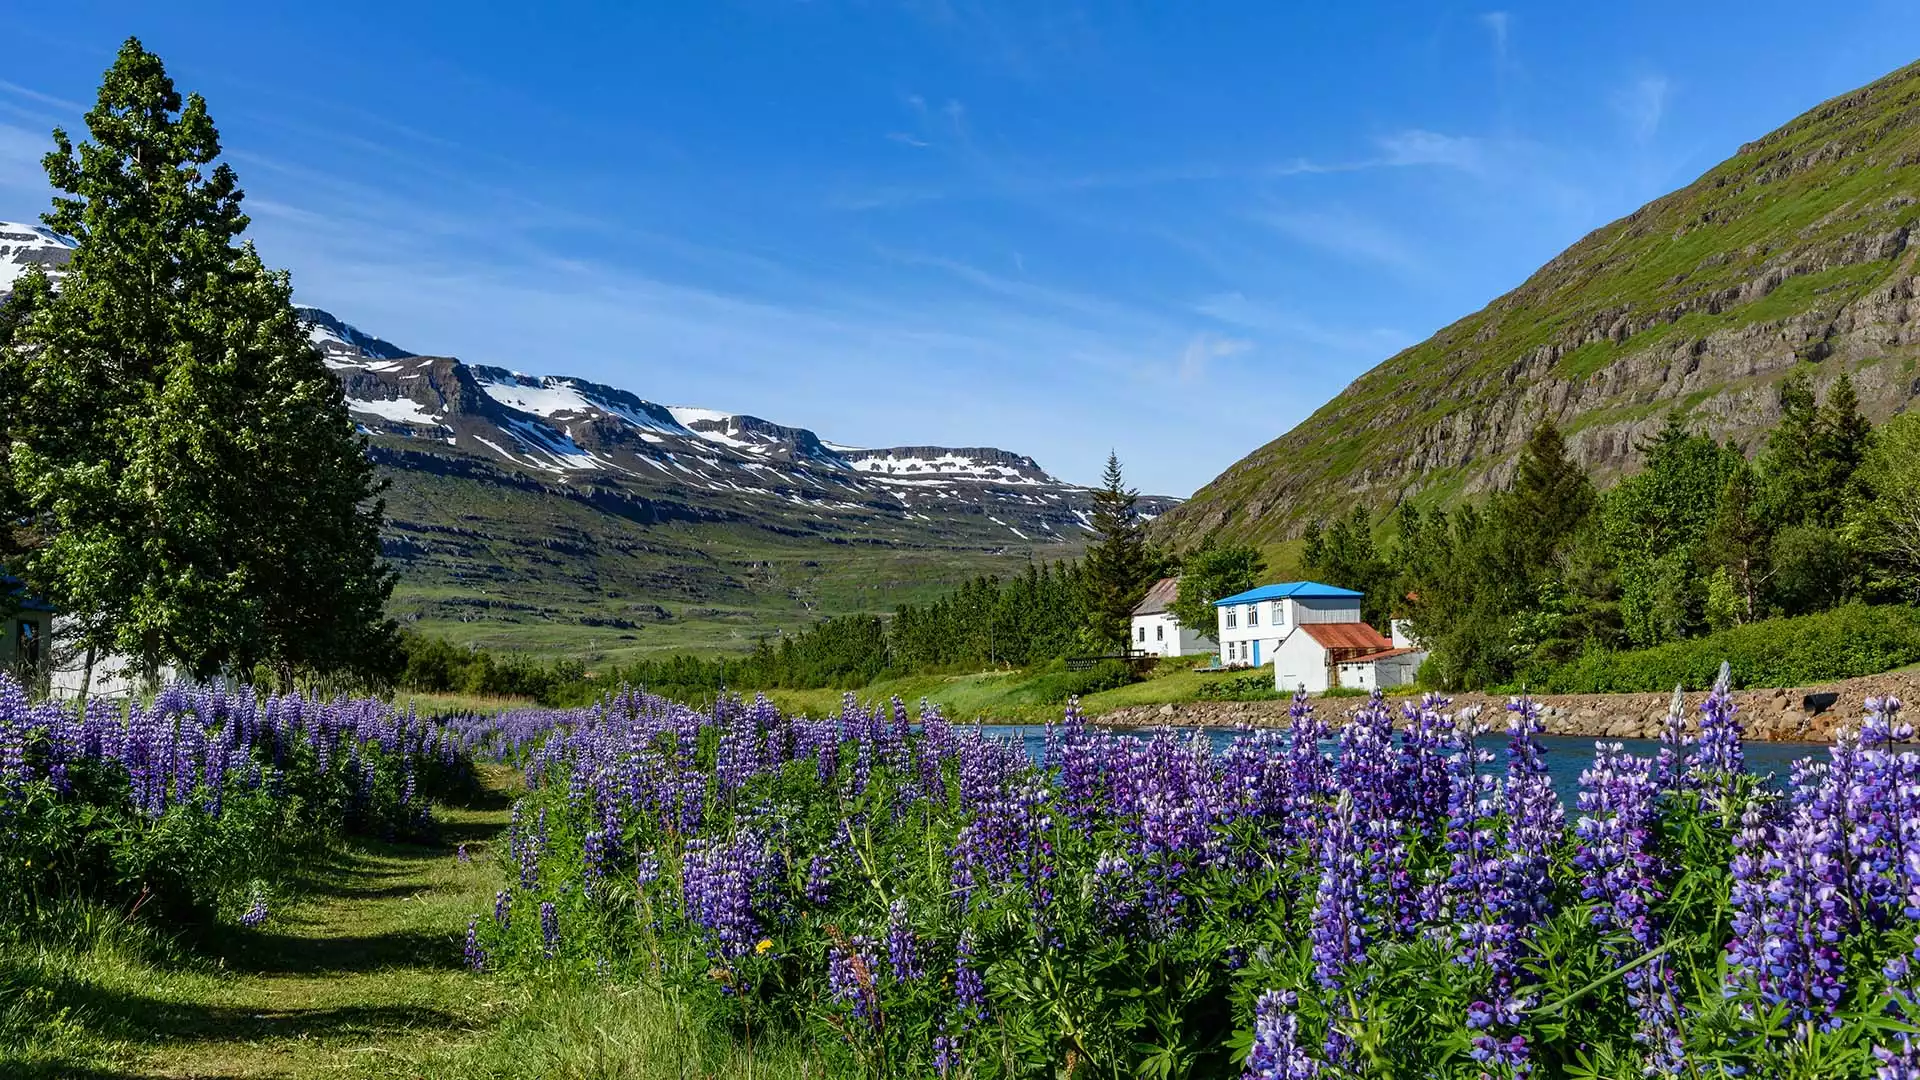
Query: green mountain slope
column 1795, row 252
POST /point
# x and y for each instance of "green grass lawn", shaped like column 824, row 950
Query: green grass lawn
column 1008, row 696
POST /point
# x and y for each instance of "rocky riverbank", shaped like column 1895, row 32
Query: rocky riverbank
column 1800, row 714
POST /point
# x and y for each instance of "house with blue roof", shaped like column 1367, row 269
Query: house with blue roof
column 1313, row 637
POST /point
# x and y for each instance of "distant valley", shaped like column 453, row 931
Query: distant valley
column 560, row 515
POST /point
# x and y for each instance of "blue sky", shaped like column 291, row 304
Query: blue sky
column 1169, row 229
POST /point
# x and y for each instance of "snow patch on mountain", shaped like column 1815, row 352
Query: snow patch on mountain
column 23, row 247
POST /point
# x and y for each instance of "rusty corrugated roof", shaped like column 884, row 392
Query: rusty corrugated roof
column 1347, row 635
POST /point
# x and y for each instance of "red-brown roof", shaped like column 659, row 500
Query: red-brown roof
column 1159, row 598
column 1371, row 657
column 1347, row 635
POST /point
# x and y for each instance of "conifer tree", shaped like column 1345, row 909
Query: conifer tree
column 1551, row 497
column 1120, row 565
column 196, row 489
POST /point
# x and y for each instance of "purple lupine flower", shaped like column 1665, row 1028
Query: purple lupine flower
column 946, row 1052
column 1276, row 1053
column 903, row 954
column 460, row 854
column 256, row 915
column 502, row 908
column 732, row 889
column 1676, row 746
column 852, row 964
column 1620, row 873
column 476, row 956
column 819, row 879
column 969, row 989
column 549, row 929
column 1718, row 757
column 1339, row 929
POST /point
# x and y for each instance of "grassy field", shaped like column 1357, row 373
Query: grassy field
column 362, row 978
column 1009, row 696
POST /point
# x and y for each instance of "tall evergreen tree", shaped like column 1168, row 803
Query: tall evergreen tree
column 1120, row 565
column 1790, row 470
column 1551, row 496
column 1737, row 540
column 196, row 487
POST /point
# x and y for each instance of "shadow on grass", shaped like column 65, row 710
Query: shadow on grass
column 126, row 1016
column 268, row 953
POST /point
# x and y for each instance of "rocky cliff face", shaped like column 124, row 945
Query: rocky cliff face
column 1795, row 254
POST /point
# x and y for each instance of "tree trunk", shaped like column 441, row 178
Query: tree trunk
column 86, row 675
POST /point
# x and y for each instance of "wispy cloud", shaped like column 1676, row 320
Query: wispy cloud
column 1204, row 348
column 1273, row 321
column 905, row 139
column 1416, row 146
column 1497, row 24
column 1641, row 104
column 1348, row 235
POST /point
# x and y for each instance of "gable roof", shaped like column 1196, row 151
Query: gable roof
column 1347, row 636
column 1159, row 598
column 1295, row 589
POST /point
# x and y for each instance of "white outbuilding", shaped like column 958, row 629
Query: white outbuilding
column 1155, row 629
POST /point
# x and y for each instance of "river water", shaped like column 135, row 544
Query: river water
column 1566, row 755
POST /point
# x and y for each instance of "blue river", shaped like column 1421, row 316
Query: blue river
column 1566, row 755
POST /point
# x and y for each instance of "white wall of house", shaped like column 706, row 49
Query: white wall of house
column 1299, row 662
column 1385, row 673
column 1162, row 635
column 1249, row 633
column 1402, row 633
column 114, row 676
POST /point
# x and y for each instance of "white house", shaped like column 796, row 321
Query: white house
column 1329, row 646
column 1252, row 624
column 1156, row 631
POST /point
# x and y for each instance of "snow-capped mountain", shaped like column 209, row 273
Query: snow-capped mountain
column 580, row 432
column 23, row 247
column 624, row 524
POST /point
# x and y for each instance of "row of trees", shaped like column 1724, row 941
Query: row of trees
column 178, row 473
column 1700, row 539
column 1045, row 612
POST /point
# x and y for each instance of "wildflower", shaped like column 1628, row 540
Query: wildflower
column 1276, row 1052
column 476, row 956
column 549, row 929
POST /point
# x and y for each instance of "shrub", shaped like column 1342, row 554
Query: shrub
column 1857, row 639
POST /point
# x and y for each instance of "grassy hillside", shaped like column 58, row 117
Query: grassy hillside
column 1794, row 252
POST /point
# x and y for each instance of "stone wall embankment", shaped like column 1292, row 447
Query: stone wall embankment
column 1800, row 714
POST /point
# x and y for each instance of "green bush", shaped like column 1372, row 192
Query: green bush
column 1057, row 684
column 1857, row 639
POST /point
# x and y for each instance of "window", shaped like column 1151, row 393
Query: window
column 1232, row 617
column 1253, row 614
column 1143, row 633
column 1279, row 613
column 26, row 644
column 1159, row 632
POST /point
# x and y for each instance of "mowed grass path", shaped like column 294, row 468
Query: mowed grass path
column 363, row 976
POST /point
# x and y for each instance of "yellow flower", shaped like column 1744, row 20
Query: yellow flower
column 765, row 944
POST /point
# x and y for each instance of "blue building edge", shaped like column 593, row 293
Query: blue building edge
column 1302, row 590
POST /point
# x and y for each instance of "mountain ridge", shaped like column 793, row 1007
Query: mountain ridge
column 560, row 514
column 1793, row 254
